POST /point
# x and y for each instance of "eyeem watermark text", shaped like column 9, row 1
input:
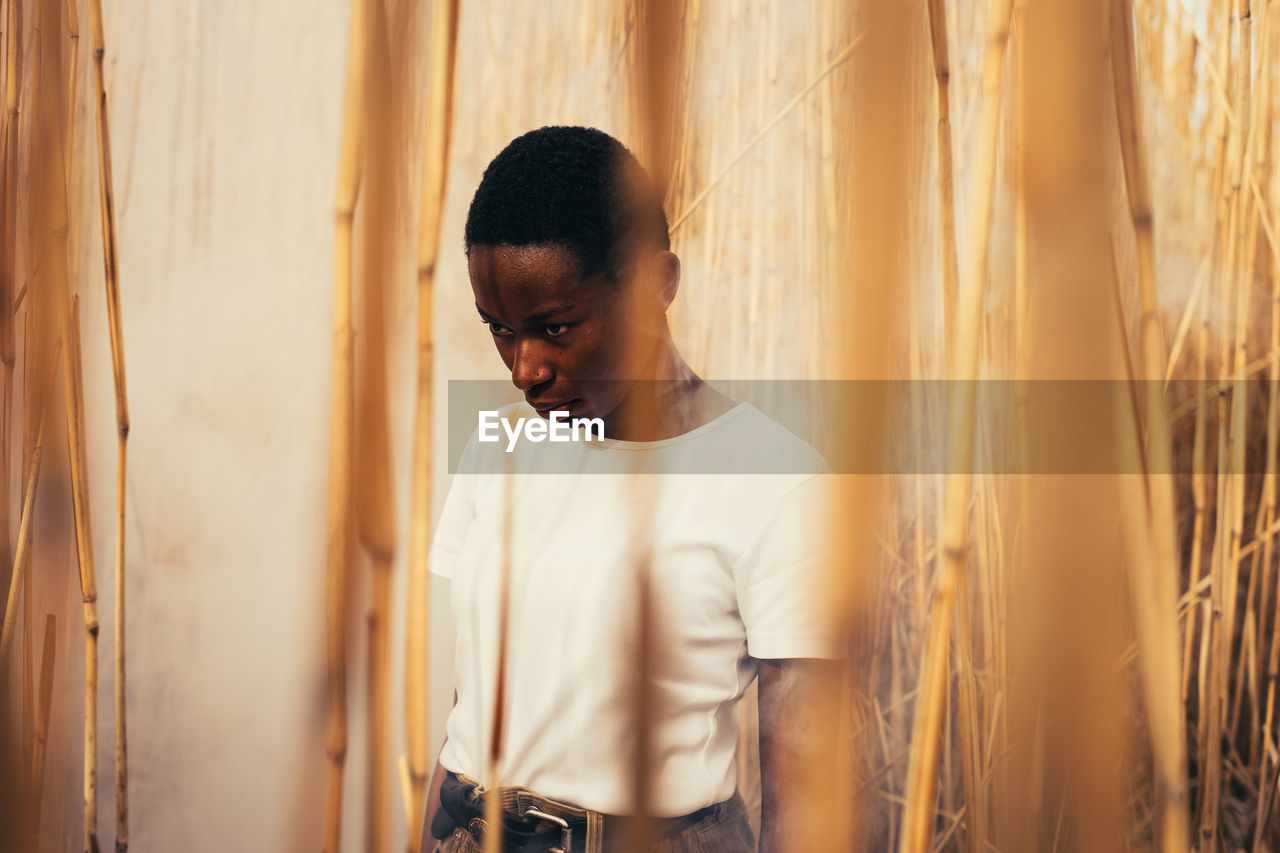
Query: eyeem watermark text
column 557, row 427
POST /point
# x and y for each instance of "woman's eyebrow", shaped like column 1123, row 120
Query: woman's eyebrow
column 534, row 319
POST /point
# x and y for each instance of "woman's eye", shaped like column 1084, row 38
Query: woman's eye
column 557, row 330
column 496, row 328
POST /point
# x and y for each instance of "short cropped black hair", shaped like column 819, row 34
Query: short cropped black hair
column 573, row 186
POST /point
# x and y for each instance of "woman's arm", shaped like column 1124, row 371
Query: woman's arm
column 799, row 707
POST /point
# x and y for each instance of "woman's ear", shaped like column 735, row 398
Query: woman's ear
column 664, row 269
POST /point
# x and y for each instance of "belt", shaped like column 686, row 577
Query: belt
column 536, row 824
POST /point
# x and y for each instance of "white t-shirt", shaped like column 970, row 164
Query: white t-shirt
column 734, row 572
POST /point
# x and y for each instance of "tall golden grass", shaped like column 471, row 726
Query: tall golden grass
column 1041, row 662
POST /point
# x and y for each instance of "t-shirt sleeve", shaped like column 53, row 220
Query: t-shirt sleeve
column 457, row 516
column 780, row 578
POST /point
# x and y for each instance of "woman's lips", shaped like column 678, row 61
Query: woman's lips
column 546, row 409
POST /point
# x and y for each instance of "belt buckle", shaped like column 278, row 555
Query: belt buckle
column 566, row 834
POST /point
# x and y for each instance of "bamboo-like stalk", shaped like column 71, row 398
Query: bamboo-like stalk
column 1262, row 748
column 1254, row 166
column 946, row 179
column 28, row 584
column 434, row 176
column 1266, row 780
column 406, row 799
column 642, row 762
column 1235, row 472
column 656, row 43
column 1154, row 579
column 1184, row 325
column 1065, row 680
column 107, row 199
column 378, row 703
column 24, row 538
column 40, row 223
column 975, row 799
column 1020, row 257
column 922, row 773
column 73, row 46
column 373, row 490
column 74, row 389
column 341, row 422
column 48, row 659
column 1022, row 486
column 1226, row 541
column 493, row 811
column 8, row 253
column 68, row 312
column 682, row 153
column 1198, row 497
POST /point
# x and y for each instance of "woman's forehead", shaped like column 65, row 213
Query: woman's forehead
column 517, row 282
column 539, row 260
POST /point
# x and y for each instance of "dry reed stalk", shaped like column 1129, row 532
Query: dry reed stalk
column 1254, row 169
column 40, row 230
column 406, row 799
column 493, row 811
column 107, row 199
column 1227, row 539
column 719, row 175
column 1198, row 498
column 1020, row 284
column 69, row 138
column 1266, row 173
column 975, row 799
column 642, row 763
column 1021, row 494
column 434, row 175
column 1224, row 115
column 656, row 46
column 685, row 141
column 74, row 389
column 1064, row 689
column 30, row 424
column 73, row 46
column 48, row 659
column 1154, row 577
column 946, row 179
column 341, row 421
column 24, row 539
column 655, row 61
column 374, row 493
column 1184, row 325
column 8, row 251
column 1262, row 747
column 964, row 350
column 1240, row 284
column 378, row 703
column 1266, row 780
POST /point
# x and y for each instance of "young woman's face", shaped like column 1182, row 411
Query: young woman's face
column 571, row 343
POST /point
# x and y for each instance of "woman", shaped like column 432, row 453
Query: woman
column 570, row 264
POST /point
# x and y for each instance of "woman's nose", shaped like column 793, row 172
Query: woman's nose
column 529, row 367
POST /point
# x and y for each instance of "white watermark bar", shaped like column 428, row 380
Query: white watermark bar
column 870, row 427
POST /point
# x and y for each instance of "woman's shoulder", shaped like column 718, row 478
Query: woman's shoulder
column 748, row 441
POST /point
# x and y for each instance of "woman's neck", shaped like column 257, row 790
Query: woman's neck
column 670, row 401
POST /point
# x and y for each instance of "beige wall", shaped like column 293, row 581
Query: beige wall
column 225, row 120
